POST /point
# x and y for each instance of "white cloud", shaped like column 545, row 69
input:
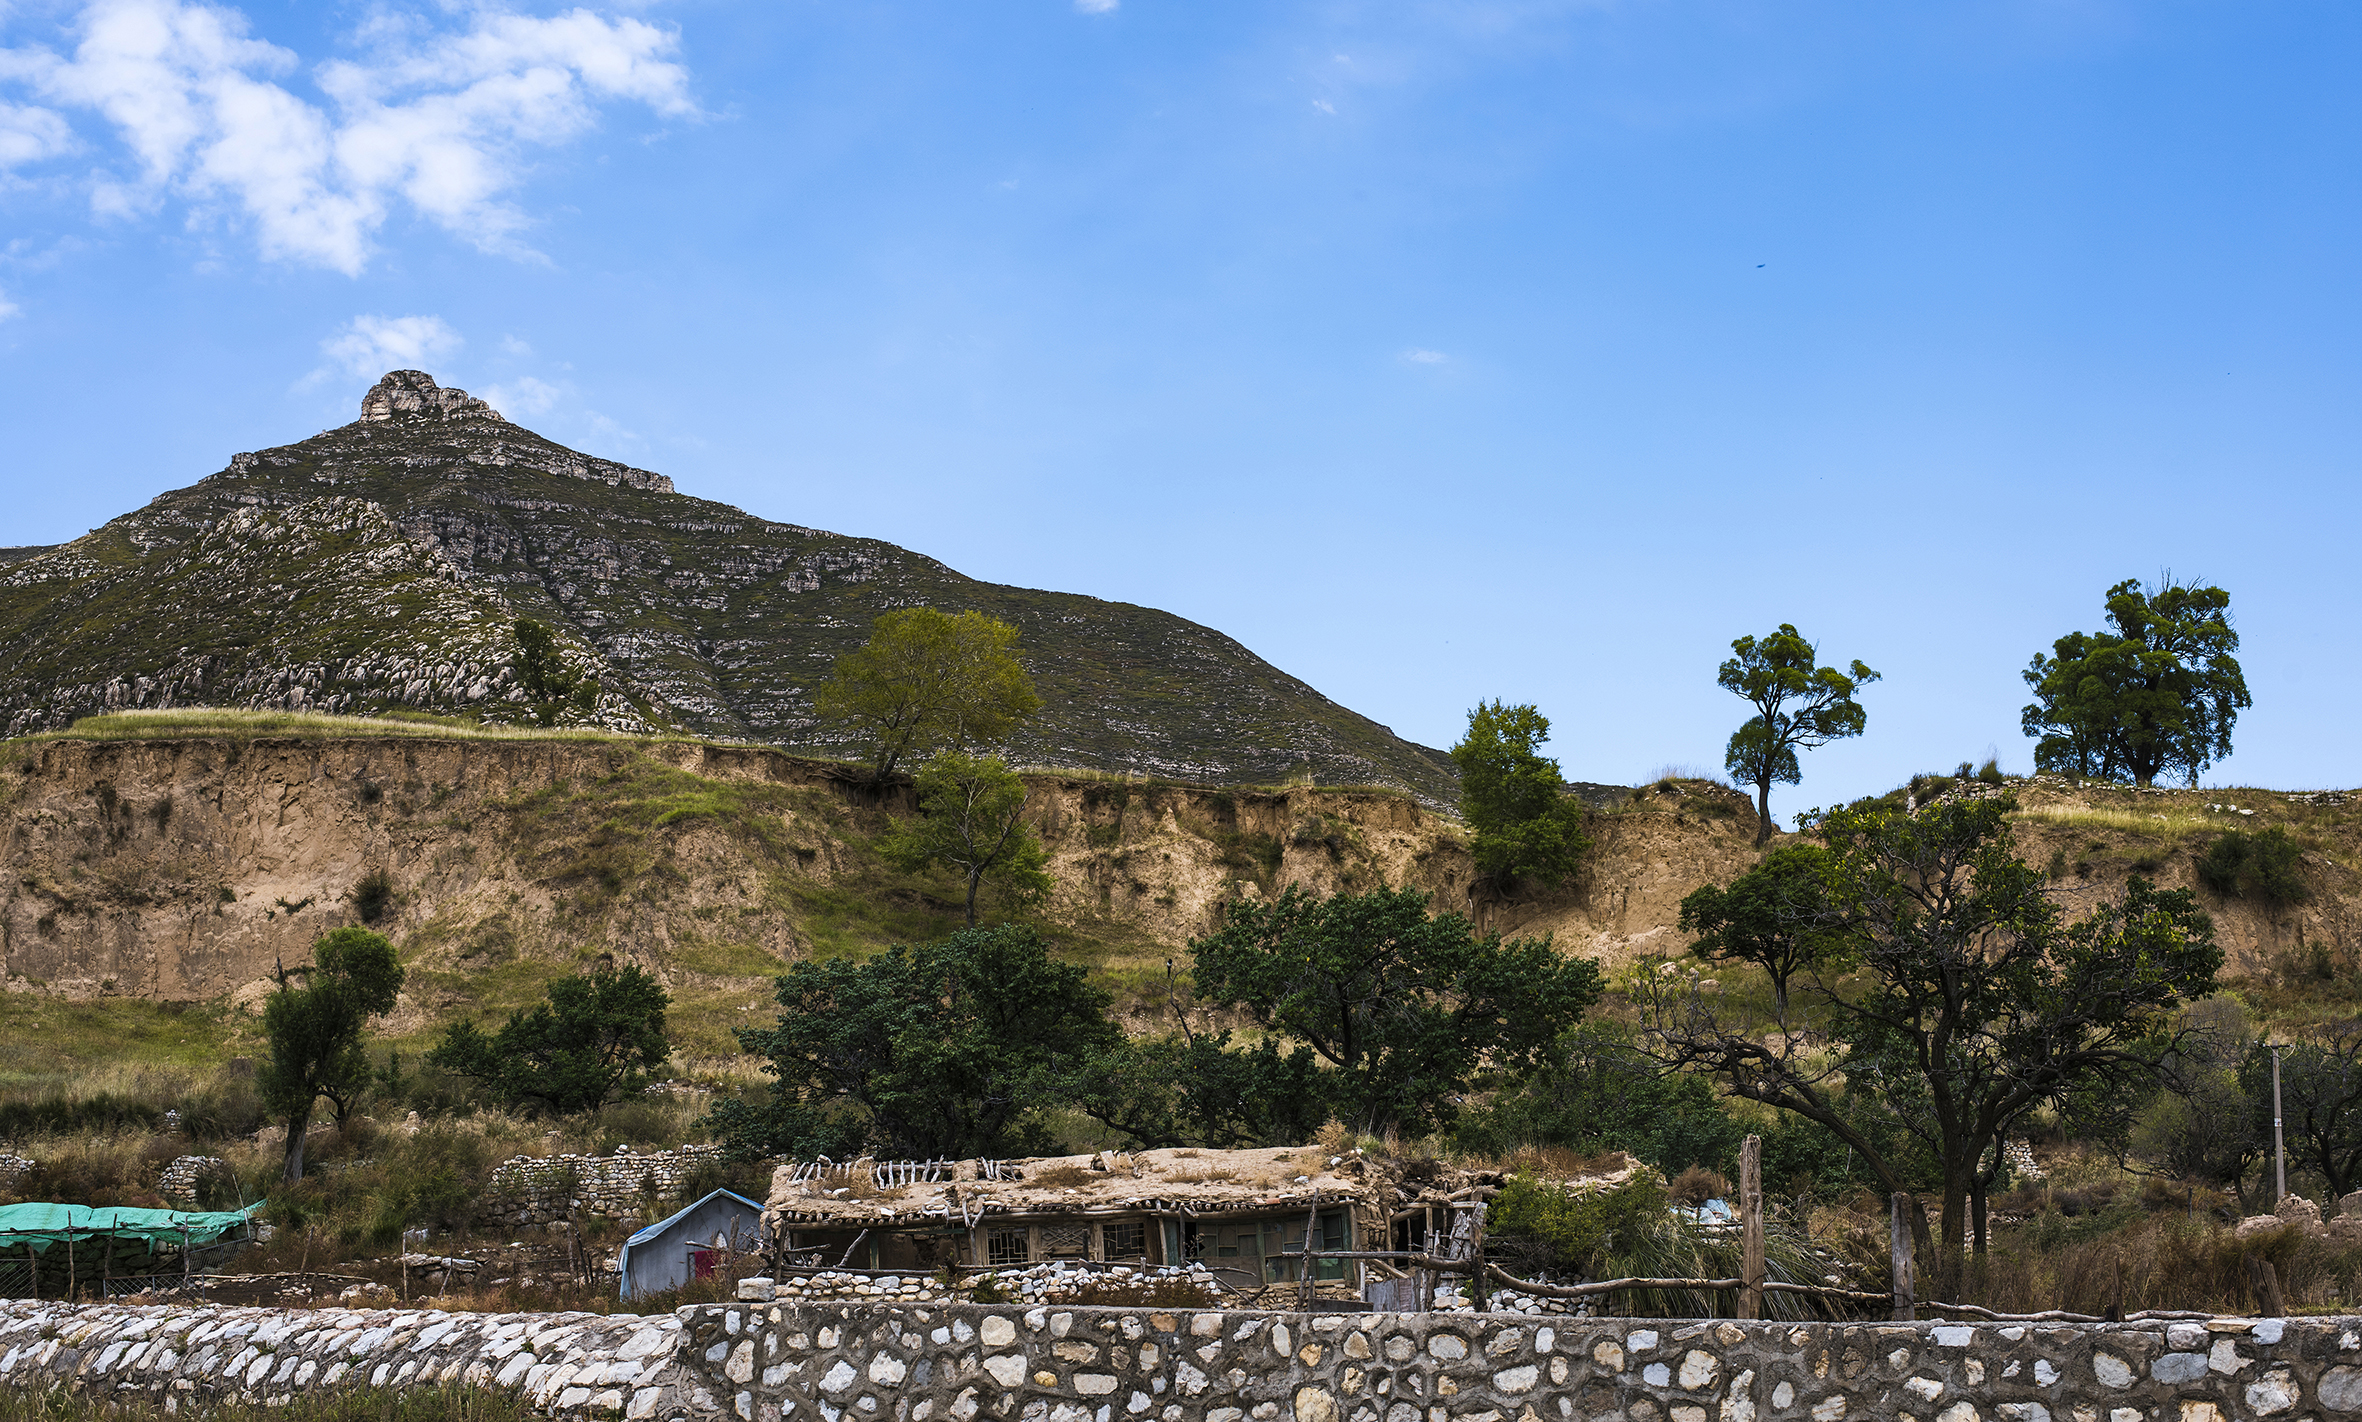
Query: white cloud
column 514, row 346
column 8, row 308
column 28, row 135
column 372, row 345
column 522, row 398
column 1096, row 7
column 1419, row 357
column 436, row 120
column 1324, row 106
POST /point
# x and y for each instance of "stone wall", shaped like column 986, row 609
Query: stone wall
column 571, row 1364
column 814, row 1362
column 847, row 1363
column 539, row 1189
column 13, row 1170
column 178, row 1181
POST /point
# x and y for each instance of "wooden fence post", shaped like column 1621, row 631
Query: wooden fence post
column 1751, row 1227
column 1899, row 1244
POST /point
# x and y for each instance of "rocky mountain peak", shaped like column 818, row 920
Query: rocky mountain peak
column 414, row 395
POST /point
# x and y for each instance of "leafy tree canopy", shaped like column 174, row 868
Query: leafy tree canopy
column 1513, row 797
column 971, row 817
column 1405, row 1008
column 1961, row 1001
column 551, row 687
column 1769, row 917
column 2158, row 694
column 947, row 1049
column 315, row 1030
column 1195, row 1089
column 592, row 1040
column 1797, row 706
column 927, row 681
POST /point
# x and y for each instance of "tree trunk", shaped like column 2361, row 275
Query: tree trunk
column 1950, row 1230
column 975, row 877
column 1763, row 823
column 297, row 1122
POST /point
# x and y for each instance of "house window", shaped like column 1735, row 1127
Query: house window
column 1333, row 1233
column 1124, row 1241
column 1005, row 1246
column 1066, row 1241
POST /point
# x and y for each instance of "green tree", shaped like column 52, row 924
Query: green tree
column 1196, row 1089
column 2201, row 1124
column 1594, row 1091
column 947, row 1049
column 315, row 1030
column 2157, row 694
column 591, row 1040
column 1513, row 798
column 551, row 687
column 1962, row 1000
column 1797, row 706
column 928, row 681
column 1404, row 1007
column 971, row 817
column 1769, row 918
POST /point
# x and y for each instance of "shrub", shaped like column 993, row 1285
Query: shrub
column 2260, row 866
column 1564, row 1230
column 373, row 897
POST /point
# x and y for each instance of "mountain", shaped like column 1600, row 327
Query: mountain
column 380, row 565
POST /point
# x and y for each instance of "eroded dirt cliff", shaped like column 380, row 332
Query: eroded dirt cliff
column 184, row 869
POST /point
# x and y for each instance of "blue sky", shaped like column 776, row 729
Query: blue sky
column 1436, row 351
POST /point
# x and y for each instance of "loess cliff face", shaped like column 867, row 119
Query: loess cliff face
column 380, row 565
column 184, row 869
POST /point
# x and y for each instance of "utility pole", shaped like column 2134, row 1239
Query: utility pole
column 2279, row 1152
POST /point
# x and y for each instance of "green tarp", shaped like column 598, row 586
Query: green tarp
column 42, row 1225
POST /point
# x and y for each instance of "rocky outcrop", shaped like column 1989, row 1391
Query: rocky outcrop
column 414, row 395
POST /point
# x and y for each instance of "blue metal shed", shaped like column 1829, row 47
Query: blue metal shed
column 678, row 1249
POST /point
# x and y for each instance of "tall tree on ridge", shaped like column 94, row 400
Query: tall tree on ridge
column 1797, row 706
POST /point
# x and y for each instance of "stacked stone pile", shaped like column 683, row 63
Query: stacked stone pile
column 1035, row 1283
column 529, row 1189
column 178, row 1181
column 13, row 1170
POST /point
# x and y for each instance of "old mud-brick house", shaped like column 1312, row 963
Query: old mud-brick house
column 1242, row 1214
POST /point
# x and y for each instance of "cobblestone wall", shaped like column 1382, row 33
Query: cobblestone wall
column 569, row 1364
column 814, row 1362
column 538, row 1189
column 956, row 1363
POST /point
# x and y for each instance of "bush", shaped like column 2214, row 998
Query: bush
column 2260, row 866
column 1573, row 1231
column 373, row 897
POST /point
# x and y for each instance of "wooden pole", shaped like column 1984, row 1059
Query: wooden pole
column 1899, row 1245
column 2279, row 1152
column 1309, row 1264
column 1751, row 1227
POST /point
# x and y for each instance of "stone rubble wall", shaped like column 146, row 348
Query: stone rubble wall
column 803, row 1361
column 814, row 1362
column 13, row 1170
column 539, row 1189
column 1026, row 1285
column 566, row 1364
column 178, row 1181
